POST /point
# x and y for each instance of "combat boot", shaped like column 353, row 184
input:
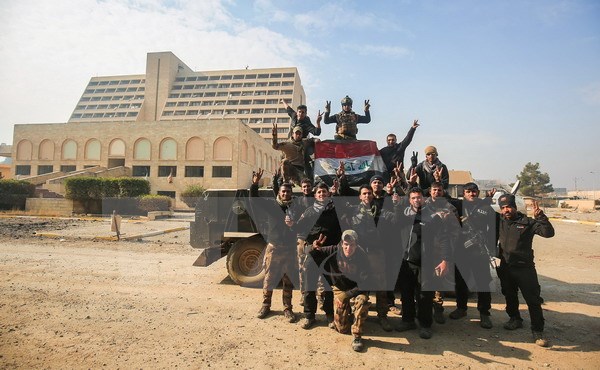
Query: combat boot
column 513, row 323
column 264, row 312
column 425, row 333
column 539, row 339
column 458, row 313
column 330, row 321
column 485, row 321
column 385, row 323
column 438, row 317
column 406, row 325
column 357, row 344
column 308, row 323
column 289, row 315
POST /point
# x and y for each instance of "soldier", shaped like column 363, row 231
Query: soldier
column 346, row 121
column 430, row 170
column 293, row 165
column 320, row 219
column 422, row 236
column 393, row 153
column 369, row 220
column 439, row 203
column 517, row 268
column 474, row 253
column 280, row 257
column 300, row 119
column 346, row 264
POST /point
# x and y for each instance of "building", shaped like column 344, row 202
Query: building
column 173, row 126
column 171, row 91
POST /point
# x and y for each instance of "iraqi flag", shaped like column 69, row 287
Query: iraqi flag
column 361, row 160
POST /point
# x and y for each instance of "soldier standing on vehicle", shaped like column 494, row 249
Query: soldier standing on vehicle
column 346, row 121
column 293, row 165
column 301, row 119
column 393, row 153
column 474, row 254
column 517, row 267
column 319, row 220
column 280, row 256
column 347, row 266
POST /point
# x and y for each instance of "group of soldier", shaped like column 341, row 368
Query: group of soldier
column 401, row 231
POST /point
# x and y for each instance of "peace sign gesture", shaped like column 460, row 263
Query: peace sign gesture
column 389, row 188
column 256, row 176
column 399, row 170
column 367, row 105
column 317, row 244
column 536, row 209
column 437, row 174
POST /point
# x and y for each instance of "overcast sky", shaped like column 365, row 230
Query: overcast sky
column 495, row 84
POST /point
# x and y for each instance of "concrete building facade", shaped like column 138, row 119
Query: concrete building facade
column 170, row 154
column 170, row 90
column 171, row 125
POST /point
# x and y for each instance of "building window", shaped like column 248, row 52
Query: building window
column 194, row 171
column 221, row 171
column 43, row 169
column 23, row 169
column 170, row 194
column 164, row 171
column 68, row 168
column 287, row 75
column 140, row 171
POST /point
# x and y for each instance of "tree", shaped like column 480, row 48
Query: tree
column 533, row 181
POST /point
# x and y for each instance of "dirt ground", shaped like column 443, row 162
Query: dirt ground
column 93, row 304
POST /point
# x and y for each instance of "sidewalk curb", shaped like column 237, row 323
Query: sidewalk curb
column 112, row 237
column 575, row 221
column 154, row 233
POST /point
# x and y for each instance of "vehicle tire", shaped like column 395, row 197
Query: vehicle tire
column 245, row 262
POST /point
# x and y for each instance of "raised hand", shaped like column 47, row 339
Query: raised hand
column 318, row 243
column 274, row 130
column 319, row 118
column 437, row 174
column 327, row 106
column 341, row 170
column 415, row 123
column 490, row 193
column 536, row 209
column 413, row 176
column 389, row 188
column 367, row 105
column 256, row 176
column 414, row 160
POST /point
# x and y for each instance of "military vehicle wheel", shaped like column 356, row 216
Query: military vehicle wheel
column 245, row 260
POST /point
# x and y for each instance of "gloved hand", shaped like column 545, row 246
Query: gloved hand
column 414, row 159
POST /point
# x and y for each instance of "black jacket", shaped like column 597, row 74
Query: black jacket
column 345, row 273
column 516, row 238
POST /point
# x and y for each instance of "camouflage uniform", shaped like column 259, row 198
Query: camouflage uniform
column 279, row 264
column 358, row 307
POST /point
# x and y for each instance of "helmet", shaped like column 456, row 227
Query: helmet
column 347, row 101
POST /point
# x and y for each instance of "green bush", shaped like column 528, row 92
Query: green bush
column 89, row 188
column 130, row 187
column 150, row 203
column 13, row 193
column 191, row 194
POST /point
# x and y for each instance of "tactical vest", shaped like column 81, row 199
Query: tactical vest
column 346, row 124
